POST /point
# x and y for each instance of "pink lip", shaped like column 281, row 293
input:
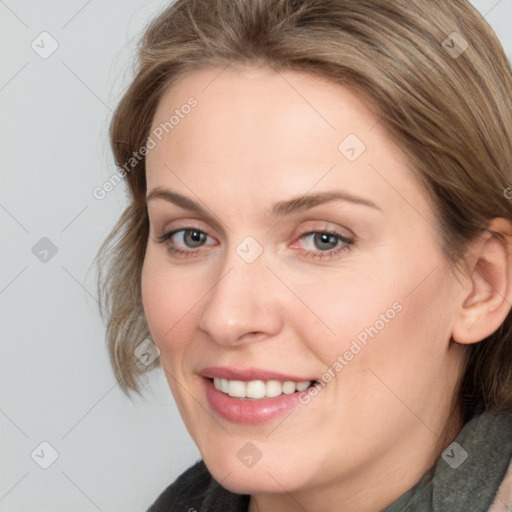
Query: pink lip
column 223, row 372
column 250, row 412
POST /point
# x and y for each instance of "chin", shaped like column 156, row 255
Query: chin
column 264, row 477
column 249, row 482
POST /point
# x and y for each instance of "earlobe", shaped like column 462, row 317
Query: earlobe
column 472, row 322
column 487, row 300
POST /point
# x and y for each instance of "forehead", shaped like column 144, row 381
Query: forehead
column 284, row 131
column 265, row 110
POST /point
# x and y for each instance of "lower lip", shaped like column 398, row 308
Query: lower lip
column 250, row 412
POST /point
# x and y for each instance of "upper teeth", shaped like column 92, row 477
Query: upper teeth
column 259, row 388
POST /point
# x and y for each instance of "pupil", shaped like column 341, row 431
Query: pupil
column 194, row 238
column 325, row 238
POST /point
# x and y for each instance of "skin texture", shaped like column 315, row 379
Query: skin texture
column 257, row 137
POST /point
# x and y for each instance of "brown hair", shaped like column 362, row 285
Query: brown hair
column 447, row 106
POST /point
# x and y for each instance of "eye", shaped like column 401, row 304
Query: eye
column 325, row 244
column 319, row 244
column 188, row 240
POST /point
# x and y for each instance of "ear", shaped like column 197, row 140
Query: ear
column 487, row 295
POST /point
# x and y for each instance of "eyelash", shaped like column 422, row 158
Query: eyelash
column 346, row 243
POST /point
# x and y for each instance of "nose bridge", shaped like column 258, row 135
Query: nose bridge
column 239, row 302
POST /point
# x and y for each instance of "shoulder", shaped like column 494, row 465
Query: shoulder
column 187, row 491
column 503, row 500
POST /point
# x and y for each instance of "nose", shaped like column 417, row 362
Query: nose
column 243, row 304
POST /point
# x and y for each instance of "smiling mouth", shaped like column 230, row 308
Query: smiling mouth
column 259, row 389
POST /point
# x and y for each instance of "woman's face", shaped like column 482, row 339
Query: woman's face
column 307, row 249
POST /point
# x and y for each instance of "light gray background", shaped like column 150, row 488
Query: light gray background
column 56, row 385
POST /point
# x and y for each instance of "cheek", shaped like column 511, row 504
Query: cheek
column 396, row 314
column 347, row 308
column 169, row 304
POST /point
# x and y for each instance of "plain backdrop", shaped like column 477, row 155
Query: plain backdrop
column 70, row 439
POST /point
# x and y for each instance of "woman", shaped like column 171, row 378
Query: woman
column 318, row 245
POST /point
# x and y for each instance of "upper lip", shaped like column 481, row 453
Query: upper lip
column 248, row 374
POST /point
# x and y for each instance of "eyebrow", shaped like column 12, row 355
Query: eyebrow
column 281, row 208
